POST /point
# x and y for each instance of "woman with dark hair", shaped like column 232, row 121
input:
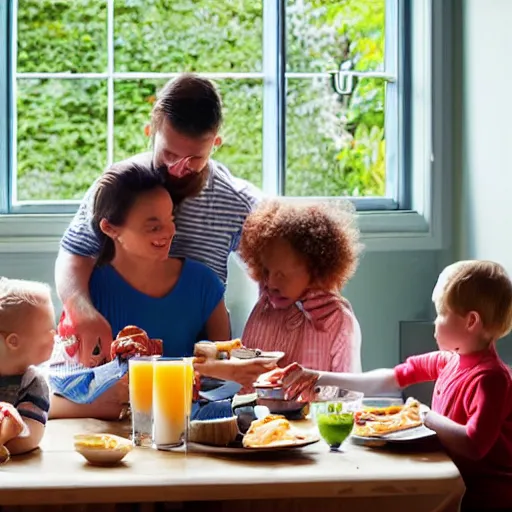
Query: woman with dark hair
column 135, row 282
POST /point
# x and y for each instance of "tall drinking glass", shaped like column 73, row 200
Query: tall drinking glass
column 333, row 411
column 172, row 401
column 141, row 399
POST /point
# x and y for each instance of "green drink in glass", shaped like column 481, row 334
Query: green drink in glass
column 334, row 417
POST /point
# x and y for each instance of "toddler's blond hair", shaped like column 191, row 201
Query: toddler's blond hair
column 480, row 286
column 17, row 296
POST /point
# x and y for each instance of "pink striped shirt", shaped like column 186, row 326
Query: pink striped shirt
column 319, row 332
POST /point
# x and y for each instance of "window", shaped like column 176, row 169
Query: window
column 314, row 92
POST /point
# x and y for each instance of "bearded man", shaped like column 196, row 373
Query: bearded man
column 211, row 204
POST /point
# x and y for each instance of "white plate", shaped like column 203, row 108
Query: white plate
column 275, row 356
column 225, row 450
column 403, row 436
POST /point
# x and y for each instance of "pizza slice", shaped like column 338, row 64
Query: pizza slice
column 273, row 430
column 378, row 422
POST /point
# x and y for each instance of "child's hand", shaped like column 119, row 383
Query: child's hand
column 424, row 412
column 11, row 423
column 299, row 383
column 243, row 371
column 247, row 371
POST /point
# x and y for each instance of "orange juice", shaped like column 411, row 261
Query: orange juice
column 140, row 378
column 172, row 398
column 141, row 385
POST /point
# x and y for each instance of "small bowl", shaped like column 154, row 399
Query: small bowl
column 269, row 392
column 273, row 398
column 282, row 406
column 102, row 449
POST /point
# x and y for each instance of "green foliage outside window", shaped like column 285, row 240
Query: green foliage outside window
column 335, row 145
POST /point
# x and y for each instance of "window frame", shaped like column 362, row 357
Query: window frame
column 416, row 225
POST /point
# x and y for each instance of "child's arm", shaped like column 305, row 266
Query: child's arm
column 108, row 406
column 301, row 382
column 31, row 442
column 33, row 405
column 61, row 407
column 488, row 407
column 374, row 382
column 245, row 372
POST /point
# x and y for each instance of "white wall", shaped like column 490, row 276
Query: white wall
column 483, row 140
column 484, row 177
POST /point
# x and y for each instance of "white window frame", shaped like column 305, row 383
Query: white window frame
column 419, row 226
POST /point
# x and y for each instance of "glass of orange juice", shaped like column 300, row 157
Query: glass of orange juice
column 172, row 401
column 141, row 399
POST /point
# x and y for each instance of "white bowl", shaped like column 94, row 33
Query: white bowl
column 102, row 449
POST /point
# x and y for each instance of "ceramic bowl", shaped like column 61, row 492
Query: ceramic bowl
column 102, row 449
column 269, row 392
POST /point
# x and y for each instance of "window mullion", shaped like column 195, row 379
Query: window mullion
column 110, row 82
column 273, row 97
column 281, row 96
column 12, row 186
column 4, row 106
column 391, row 109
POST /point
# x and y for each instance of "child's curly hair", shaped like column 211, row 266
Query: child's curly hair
column 325, row 235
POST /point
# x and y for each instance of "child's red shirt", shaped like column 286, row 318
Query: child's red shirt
column 474, row 390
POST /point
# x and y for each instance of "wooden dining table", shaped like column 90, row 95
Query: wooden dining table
column 55, row 477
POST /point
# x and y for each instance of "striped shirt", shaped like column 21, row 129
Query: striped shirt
column 208, row 226
column 320, row 332
column 28, row 393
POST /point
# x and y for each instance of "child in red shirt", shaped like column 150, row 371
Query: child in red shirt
column 472, row 403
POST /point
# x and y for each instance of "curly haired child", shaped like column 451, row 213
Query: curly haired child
column 472, row 401
column 302, row 255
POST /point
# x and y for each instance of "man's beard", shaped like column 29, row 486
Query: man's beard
column 188, row 186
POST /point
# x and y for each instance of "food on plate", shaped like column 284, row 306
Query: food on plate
column 133, row 341
column 379, row 421
column 246, row 353
column 101, row 441
column 232, row 348
column 216, row 432
column 212, row 349
column 383, row 411
column 273, row 430
column 228, row 346
column 102, row 448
